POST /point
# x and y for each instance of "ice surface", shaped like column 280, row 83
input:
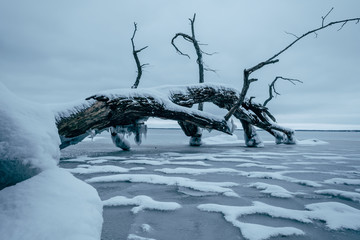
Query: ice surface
column 292, row 196
column 51, row 205
column 222, row 139
column 142, row 202
column 311, row 142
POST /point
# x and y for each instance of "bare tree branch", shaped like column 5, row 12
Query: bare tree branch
column 137, row 61
column 186, row 37
column 323, row 17
column 272, row 88
column 273, row 59
column 196, row 45
column 292, row 34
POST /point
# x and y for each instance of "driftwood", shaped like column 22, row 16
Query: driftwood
column 132, row 107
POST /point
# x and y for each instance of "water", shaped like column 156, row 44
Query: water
column 300, row 169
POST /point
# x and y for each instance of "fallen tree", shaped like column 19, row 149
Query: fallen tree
column 125, row 111
column 130, row 108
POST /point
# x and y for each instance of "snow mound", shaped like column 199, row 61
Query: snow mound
column 29, row 141
column 51, row 205
column 142, row 202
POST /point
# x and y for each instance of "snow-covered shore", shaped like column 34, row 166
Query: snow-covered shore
column 39, row 200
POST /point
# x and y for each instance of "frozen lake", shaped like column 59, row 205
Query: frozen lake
column 167, row 190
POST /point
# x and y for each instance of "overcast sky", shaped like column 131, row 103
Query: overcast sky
column 60, row 51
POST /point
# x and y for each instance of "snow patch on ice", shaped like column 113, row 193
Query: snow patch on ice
column 256, row 231
column 353, row 196
column 142, row 202
column 88, row 169
column 273, row 190
column 196, row 171
column 215, row 187
column 146, row 227
column 275, row 167
column 280, row 176
column 345, row 181
column 325, row 157
column 335, row 215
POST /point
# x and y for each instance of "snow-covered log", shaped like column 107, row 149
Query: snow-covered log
column 127, row 107
column 123, row 107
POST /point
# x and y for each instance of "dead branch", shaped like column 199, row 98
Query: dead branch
column 137, row 61
column 199, row 52
column 273, row 59
column 272, row 89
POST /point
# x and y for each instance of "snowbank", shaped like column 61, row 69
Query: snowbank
column 38, row 200
column 52, row 205
column 28, row 139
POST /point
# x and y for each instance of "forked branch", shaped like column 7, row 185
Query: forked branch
column 272, row 89
column 137, row 61
column 199, row 53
